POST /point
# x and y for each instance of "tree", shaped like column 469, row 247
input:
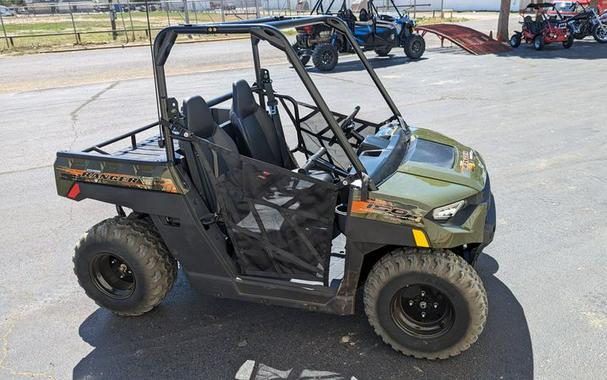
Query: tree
column 502, row 22
column 12, row 3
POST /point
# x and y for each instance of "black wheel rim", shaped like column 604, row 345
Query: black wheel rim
column 112, row 276
column 416, row 47
column 422, row 311
column 326, row 58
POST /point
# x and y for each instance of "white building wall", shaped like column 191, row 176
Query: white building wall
column 477, row 5
column 423, row 5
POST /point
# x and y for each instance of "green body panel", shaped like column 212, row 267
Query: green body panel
column 423, row 193
column 416, row 188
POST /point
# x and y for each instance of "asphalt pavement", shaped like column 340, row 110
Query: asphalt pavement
column 536, row 117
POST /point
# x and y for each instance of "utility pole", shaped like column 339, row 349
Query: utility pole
column 502, row 22
column 186, row 14
column 8, row 46
column 112, row 19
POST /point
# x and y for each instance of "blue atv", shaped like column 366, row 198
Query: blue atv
column 373, row 31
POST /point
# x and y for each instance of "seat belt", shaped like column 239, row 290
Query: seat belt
column 272, row 105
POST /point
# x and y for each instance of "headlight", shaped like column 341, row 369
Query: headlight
column 448, row 211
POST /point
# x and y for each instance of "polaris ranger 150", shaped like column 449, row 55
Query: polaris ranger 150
column 219, row 191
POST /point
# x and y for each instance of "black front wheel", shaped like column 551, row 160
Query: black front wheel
column 124, row 266
column 569, row 43
column 415, row 46
column 325, row 57
column 515, row 40
column 538, row 42
column 427, row 304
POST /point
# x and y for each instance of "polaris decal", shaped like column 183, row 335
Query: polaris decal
column 140, row 182
column 385, row 211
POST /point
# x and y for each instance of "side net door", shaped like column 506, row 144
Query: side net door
column 280, row 222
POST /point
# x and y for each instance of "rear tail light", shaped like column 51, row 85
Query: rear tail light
column 74, row 191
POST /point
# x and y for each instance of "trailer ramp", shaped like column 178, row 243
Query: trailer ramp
column 471, row 40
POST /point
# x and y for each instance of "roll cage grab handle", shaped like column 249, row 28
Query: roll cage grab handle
column 267, row 29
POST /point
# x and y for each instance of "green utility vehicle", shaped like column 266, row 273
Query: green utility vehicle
column 220, row 192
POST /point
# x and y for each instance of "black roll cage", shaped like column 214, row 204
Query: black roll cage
column 266, row 29
column 319, row 8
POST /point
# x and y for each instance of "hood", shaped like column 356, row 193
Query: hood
column 435, row 156
column 436, row 171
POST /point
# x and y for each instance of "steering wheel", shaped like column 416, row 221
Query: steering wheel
column 347, row 126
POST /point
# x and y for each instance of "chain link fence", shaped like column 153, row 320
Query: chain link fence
column 69, row 25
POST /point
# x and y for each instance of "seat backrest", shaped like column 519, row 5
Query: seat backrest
column 199, row 121
column 363, row 15
column 257, row 128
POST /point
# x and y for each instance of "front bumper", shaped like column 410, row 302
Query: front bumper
column 490, row 221
column 473, row 226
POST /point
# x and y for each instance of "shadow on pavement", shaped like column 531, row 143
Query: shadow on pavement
column 356, row 64
column 582, row 49
column 197, row 336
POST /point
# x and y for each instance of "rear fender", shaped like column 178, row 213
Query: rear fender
column 201, row 249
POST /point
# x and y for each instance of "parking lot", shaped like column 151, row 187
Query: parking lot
column 538, row 119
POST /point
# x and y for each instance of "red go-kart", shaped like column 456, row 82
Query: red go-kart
column 548, row 27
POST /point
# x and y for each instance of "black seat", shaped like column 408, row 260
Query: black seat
column 363, row 15
column 263, row 141
column 199, row 121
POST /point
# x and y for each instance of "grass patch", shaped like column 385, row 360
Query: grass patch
column 130, row 28
column 135, row 23
column 438, row 20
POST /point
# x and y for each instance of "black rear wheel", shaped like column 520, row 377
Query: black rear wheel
column 304, row 58
column 428, row 304
column 383, row 51
column 123, row 265
column 599, row 32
